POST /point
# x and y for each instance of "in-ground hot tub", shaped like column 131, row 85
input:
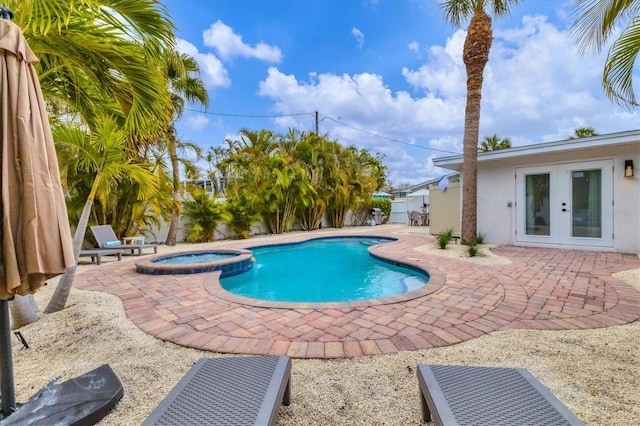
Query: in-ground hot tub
column 230, row 262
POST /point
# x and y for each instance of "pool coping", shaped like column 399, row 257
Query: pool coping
column 541, row 289
column 233, row 264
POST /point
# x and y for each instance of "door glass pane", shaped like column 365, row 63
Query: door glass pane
column 537, row 204
column 586, row 215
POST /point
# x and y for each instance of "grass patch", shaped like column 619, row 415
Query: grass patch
column 444, row 239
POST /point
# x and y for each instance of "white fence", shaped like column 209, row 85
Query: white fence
column 399, row 208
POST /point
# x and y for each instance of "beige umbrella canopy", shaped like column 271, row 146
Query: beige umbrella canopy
column 36, row 239
column 34, row 232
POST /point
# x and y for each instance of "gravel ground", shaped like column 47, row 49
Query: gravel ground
column 596, row 373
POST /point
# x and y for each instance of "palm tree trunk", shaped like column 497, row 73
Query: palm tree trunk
column 61, row 294
column 175, row 168
column 24, row 311
column 475, row 56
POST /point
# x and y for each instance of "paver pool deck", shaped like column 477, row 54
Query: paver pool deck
column 541, row 288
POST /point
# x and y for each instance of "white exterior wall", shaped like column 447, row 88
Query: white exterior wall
column 626, row 208
column 497, row 188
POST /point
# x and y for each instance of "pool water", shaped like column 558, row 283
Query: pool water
column 184, row 259
column 323, row 270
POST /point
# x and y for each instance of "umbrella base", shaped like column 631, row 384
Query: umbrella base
column 83, row 400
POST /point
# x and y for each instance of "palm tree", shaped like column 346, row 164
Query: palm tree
column 494, row 143
column 475, row 56
column 101, row 154
column 315, row 154
column 252, row 164
column 179, row 69
column 583, row 132
column 93, row 57
column 99, row 50
column 355, row 178
column 596, row 22
column 215, row 173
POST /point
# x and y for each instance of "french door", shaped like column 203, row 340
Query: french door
column 565, row 204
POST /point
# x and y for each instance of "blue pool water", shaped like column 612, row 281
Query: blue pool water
column 202, row 257
column 323, row 270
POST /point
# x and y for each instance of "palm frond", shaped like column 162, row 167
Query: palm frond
column 618, row 71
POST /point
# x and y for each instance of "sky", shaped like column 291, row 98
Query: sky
column 388, row 76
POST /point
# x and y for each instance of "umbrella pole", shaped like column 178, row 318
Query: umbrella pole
column 6, row 358
column 6, row 361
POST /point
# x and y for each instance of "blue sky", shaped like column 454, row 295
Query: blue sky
column 388, row 76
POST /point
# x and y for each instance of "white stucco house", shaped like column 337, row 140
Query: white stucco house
column 576, row 193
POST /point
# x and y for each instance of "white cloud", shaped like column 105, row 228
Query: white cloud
column 414, row 46
column 212, row 71
column 537, row 87
column 197, row 122
column 534, row 83
column 228, row 44
column 359, row 35
column 361, row 100
column 360, row 110
column 444, row 74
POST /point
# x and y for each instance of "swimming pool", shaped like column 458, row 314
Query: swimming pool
column 229, row 262
column 334, row 269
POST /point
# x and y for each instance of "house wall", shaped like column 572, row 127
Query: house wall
column 444, row 209
column 496, row 204
column 497, row 188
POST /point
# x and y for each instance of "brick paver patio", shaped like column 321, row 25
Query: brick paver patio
column 546, row 289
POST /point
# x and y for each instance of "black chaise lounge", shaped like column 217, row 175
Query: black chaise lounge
column 228, row 391
column 107, row 240
column 462, row 395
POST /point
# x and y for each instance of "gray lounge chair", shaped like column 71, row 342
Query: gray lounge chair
column 107, row 240
column 462, row 395
column 245, row 390
column 96, row 254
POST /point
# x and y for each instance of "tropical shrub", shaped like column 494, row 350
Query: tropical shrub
column 358, row 175
column 299, row 177
column 204, row 213
column 445, row 238
column 241, row 217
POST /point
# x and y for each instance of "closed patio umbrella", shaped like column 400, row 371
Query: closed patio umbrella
column 35, row 234
column 420, row 192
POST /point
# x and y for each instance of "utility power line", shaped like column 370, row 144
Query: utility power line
column 387, row 138
column 325, row 117
column 249, row 116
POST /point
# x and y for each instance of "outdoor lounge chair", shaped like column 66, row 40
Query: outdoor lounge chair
column 96, row 254
column 107, row 240
column 246, row 390
column 462, row 395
